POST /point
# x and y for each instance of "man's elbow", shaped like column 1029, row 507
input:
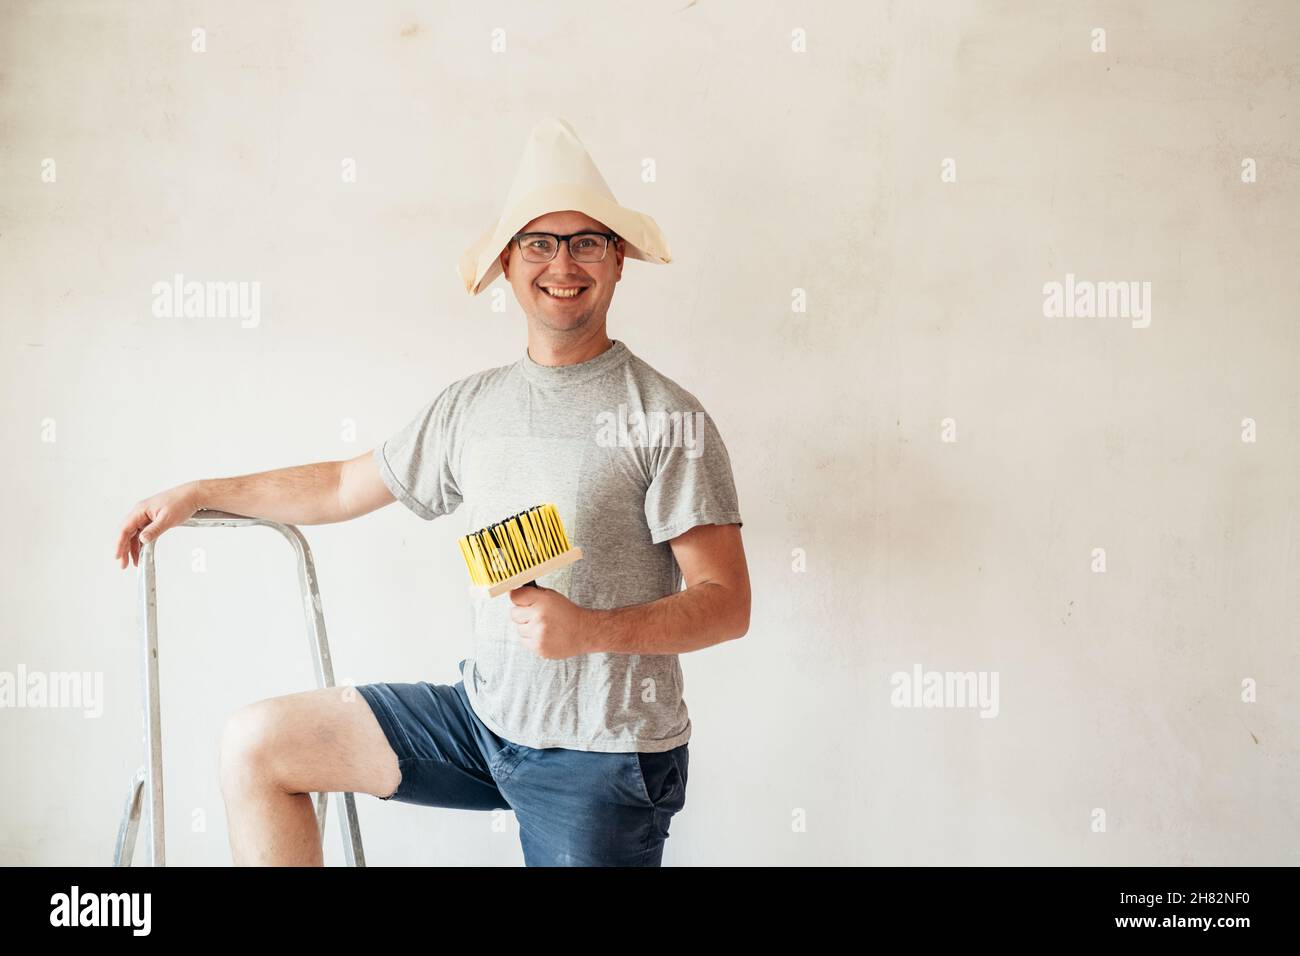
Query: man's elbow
column 729, row 613
column 740, row 617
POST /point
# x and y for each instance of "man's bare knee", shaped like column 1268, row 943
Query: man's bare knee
column 246, row 739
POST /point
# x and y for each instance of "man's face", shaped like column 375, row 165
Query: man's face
column 595, row 280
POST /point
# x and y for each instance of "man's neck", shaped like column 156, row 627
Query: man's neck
column 548, row 350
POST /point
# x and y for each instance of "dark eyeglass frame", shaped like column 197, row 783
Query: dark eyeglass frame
column 610, row 237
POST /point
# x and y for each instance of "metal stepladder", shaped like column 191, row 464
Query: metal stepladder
column 146, row 790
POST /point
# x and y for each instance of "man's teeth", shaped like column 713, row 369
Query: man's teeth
column 563, row 293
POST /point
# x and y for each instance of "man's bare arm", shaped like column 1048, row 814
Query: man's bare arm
column 361, row 489
column 713, row 608
column 317, row 493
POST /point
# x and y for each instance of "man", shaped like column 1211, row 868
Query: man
column 571, row 710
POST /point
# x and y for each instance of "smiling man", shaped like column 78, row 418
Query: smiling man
column 571, row 710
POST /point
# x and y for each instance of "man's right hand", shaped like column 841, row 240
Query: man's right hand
column 152, row 516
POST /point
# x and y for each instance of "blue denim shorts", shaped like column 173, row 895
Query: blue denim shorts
column 574, row 807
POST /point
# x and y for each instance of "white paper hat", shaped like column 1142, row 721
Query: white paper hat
column 556, row 173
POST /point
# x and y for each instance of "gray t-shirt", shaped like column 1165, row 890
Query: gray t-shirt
column 630, row 459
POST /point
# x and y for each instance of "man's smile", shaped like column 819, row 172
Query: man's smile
column 565, row 291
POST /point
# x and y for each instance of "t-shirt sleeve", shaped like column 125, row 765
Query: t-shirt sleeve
column 417, row 463
column 692, row 482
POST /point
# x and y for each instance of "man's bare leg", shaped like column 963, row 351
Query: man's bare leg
column 276, row 752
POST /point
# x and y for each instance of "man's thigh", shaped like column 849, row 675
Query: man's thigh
column 316, row 741
column 582, row 808
column 445, row 753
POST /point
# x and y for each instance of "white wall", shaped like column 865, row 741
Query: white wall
column 776, row 171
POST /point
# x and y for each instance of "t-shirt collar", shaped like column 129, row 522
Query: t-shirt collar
column 564, row 375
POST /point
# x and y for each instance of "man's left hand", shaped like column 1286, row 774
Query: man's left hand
column 549, row 623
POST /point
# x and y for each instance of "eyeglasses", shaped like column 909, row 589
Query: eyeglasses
column 583, row 246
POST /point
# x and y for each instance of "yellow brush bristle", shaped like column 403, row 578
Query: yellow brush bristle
column 513, row 545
